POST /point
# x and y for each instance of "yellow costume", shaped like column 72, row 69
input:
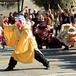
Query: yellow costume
column 20, row 36
column 11, row 34
column 23, row 40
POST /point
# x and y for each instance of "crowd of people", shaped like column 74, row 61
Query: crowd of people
column 44, row 24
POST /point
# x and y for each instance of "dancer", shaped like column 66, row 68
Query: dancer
column 67, row 35
column 26, row 47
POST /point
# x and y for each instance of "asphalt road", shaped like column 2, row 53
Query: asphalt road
column 62, row 63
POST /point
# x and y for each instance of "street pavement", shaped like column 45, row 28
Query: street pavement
column 62, row 63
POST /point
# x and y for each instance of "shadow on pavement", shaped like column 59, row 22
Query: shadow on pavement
column 70, row 63
column 67, row 57
column 2, row 70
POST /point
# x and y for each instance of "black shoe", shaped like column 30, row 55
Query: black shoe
column 8, row 69
column 66, row 48
column 47, row 65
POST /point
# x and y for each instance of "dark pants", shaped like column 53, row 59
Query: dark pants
column 38, row 56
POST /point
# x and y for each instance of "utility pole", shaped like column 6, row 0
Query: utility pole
column 22, row 5
column 18, row 6
column 48, row 6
